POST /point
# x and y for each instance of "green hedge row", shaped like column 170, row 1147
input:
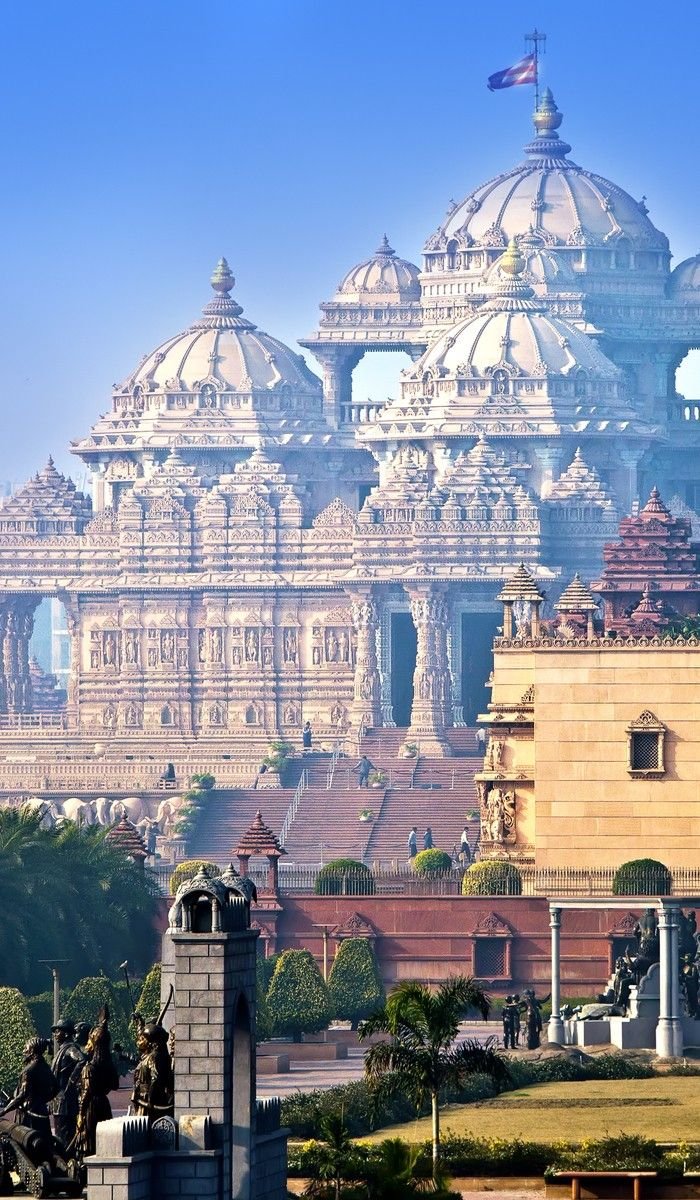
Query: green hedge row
column 502, row 1156
column 366, row 1107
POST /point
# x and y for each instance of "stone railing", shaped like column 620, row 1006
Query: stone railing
column 108, row 776
column 658, row 641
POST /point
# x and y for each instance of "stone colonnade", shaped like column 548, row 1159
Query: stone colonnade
column 16, row 628
column 669, row 1028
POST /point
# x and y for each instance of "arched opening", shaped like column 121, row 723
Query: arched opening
column 49, row 661
column 376, row 380
column 241, row 1100
column 404, row 648
column 478, row 632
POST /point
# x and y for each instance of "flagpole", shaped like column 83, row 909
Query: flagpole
column 536, row 37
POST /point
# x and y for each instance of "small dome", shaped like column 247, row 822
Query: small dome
column 685, row 278
column 222, row 350
column 383, row 275
column 567, row 205
column 545, row 270
column 511, row 331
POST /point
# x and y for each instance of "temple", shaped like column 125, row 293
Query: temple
column 261, row 547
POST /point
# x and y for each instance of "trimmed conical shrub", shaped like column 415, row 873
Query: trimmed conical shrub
column 354, row 984
column 297, row 998
column 17, row 1028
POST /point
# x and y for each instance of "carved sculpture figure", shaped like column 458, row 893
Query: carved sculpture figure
column 216, row 645
column 131, row 648
column 36, row 1089
column 153, row 1095
column 98, row 1077
column 66, row 1061
column 290, row 646
column 109, row 650
column 252, row 646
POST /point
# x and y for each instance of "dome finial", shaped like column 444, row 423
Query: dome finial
column 222, row 280
column 385, row 248
column 512, row 262
column 547, row 118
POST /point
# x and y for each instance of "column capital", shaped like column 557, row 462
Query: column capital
column 554, row 916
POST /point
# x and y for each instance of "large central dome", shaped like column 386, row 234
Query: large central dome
column 549, row 194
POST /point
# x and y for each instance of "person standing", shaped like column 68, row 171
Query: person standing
column 413, row 842
column 428, row 843
column 66, row 1063
column 306, row 737
column 464, row 847
column 480, row 739
column 363, row 768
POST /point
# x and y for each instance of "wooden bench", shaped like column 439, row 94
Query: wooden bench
column 577, row 1176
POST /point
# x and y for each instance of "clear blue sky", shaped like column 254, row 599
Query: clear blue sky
column 144, row 138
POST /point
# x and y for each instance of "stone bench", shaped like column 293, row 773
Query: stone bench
column 577, row 1177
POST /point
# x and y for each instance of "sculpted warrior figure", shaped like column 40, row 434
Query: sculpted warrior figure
column 98, row 1077
column 154, row 1086
column 290, row 646
column 66, row 1063
column 36, row 1089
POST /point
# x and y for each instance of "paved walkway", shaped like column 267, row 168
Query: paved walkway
column 308, row 1076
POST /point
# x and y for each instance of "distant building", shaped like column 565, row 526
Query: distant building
column 262, row 548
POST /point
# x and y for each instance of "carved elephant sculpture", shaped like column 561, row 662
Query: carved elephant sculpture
column 80, row 811
column 167, row 814
column 130, row 806
column 45, row 808
column 101, row 808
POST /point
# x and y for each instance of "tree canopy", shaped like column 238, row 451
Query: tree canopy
column 68, row 894
column 297, row 998
column 354, row 983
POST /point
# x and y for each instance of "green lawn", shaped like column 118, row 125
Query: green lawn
column 666, row 1108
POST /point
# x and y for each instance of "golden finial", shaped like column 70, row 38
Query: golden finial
column 548, row 118
column 222, row 280
column 512, row 262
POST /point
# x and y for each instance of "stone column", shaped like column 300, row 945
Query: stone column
column 555, row 1029
column 19, row 627
column 431, row 713
column 338, row 364
column 549, row 460
column 669, row 1030
column 367, row 697
column 4, row 608
column 629, row 482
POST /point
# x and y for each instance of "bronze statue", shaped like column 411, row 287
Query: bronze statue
column 153, row 1094
column 690, row 980
column 98, row 1077
column 36, row 1089
column 66, row 1065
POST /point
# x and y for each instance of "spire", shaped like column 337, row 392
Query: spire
column 385, row 249
column 576, row 597
column 222, row 311
column 511, row 292
column 547, row 119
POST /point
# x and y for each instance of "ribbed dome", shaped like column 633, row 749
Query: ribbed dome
column 221, row 349
column 512, row 332
column 567, row 205
column 384, row 274
column 685, row 277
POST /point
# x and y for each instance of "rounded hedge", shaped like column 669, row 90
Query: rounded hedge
column 17, row 1028
column 355, row 983
column 189, row 868
column 642, row 877
column 344, row 877
column 149, row 1001
column 432, row 862
column 297, row 998
column 90, row 995
column 492, row 878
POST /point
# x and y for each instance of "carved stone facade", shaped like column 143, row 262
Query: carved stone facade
column 262, row 549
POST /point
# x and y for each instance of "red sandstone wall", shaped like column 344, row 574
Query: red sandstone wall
column 431, row 937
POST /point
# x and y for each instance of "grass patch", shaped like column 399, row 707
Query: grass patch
column 666, row 1108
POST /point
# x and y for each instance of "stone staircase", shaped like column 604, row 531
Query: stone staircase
column 427, row 791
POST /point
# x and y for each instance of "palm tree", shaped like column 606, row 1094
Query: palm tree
column 422, row 1057
column 335, row 1153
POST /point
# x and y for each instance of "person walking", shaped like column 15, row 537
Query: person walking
column 428, row 843
column 465, row 850
column 363, row 769
column 480, row 739
column 413, row 842
column 306, row 737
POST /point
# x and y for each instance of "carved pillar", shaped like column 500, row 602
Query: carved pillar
column 338, row 363
column 669, row 1030
column 18, row 631
column 431, row 713
column 628, row 475
column 549, row 461
column 367, row 696
column 4, row 610
column 555, row 1031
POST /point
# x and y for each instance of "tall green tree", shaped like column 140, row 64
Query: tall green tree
column 423, row 1056
column 69, row 894
column 354, row 983
column 297, row 998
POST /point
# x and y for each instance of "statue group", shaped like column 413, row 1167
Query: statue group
column 631, row 967
column 75, row 1089
column 523, row 1013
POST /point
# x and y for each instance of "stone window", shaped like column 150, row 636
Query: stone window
column 490, row 957
column 645, row 746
